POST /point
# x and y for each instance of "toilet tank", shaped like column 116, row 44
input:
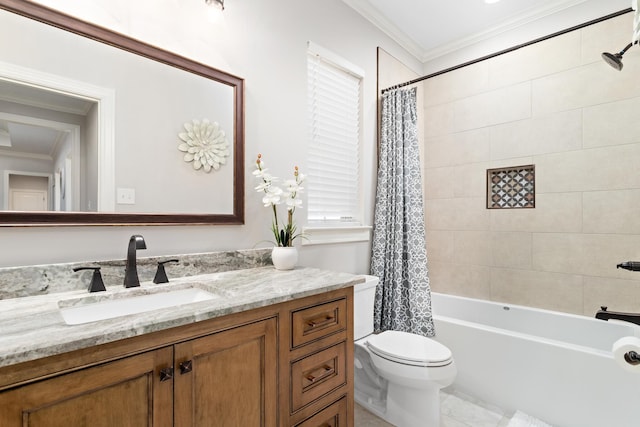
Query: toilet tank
column 363, row 298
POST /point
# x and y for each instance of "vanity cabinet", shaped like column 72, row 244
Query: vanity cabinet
column 125, row 393
column 320, row 363
column 280, row 365
column 228, row 379
column 223, row 379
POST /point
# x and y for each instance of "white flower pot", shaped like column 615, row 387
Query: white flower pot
column 284, row 258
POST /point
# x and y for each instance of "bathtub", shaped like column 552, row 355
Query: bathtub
column 557, row 367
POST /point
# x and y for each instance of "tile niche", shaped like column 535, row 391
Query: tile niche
column 511, row 188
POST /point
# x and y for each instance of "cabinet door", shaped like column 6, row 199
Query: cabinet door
column 333, row 416
column 228, row 378
column 124, row 393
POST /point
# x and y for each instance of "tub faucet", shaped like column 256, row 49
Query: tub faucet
column 131, row 270
column 629, row 265
column 603, row 314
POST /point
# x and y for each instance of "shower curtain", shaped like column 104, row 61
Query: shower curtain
column 399, row 254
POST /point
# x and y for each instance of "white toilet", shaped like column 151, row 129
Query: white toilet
column 398, row 375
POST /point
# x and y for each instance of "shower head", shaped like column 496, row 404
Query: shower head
column 615, row 59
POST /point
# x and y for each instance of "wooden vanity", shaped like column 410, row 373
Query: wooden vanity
column 284, row 364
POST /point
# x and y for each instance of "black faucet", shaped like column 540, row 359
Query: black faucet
column 629, row 265
column 96, row 285
column 131, row 270
column 603, row 314
column 161, row 274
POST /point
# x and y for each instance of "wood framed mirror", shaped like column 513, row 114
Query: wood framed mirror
column 143, row 158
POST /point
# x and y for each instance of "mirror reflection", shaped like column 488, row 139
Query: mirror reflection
column 44, row 141
column 88, row 127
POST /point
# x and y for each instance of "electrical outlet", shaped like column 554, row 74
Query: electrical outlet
column 126, row 196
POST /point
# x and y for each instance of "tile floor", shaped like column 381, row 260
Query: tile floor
column 457, row 410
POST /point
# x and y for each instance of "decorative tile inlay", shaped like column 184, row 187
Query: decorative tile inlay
column 509, row 188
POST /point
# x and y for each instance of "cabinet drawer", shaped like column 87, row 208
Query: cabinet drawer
column 319, row 321
column 317, row 374
column 332, row 416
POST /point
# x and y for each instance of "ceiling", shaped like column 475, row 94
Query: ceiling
column 431, row 28
column 21, row 139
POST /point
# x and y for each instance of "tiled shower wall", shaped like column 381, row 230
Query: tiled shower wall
column 557, row 105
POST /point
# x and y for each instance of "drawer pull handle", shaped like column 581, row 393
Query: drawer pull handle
column 319, row 323
column 325, row 372
column 166, row 374
column 186, row 367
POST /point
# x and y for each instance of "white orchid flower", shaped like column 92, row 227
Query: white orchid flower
column 293, row 203
column 272, row 197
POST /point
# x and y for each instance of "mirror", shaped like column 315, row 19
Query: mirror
column 113, row 122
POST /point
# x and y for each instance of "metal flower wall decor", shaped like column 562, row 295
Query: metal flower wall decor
column 204, row 144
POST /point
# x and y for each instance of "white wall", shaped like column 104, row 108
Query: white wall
column 265, row 43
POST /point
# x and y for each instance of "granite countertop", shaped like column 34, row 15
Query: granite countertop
column 32, row 327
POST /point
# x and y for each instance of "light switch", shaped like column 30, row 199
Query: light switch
column 126, row 196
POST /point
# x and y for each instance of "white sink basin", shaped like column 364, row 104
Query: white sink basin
column 133, row 305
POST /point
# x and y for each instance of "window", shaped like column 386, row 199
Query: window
column 334, row 121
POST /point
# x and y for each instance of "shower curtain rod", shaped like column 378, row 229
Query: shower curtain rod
column 511, row 49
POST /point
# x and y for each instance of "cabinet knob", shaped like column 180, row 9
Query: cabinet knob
column 186, row 367
column 166, row 374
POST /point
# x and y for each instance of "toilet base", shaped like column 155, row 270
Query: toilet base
column 405, row 407
column 402, row 398
column 408, row 407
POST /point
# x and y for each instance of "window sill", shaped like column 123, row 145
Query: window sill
column 329, row 235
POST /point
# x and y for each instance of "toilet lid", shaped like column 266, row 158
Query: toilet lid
column 412, row 349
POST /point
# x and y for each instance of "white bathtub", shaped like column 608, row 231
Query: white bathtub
column 555, row 366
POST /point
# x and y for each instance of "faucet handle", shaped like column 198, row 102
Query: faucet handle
column 161, row 274
column 96, row 285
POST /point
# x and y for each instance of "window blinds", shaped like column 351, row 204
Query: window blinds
column 334, row 142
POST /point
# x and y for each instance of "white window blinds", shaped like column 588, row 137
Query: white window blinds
column 333, row 180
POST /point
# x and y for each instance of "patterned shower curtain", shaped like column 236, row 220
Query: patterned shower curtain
column 399, row 254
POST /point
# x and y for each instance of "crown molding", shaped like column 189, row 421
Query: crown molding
column 364, row 8
column 373, row 15
column 516, row 21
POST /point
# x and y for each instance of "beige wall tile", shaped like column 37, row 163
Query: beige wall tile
column 391, row 71
column 559, row 212
column 511, row 250
column 457, row 148
column 457, row 214
column 472, row 248
column 613, row 123
column 438, row 183
column 471, row 281
column 606, row 168
column 497, row 106
column 585, row 254
column 616, row 294
column 472, row 113
column 540, row 59
column 507, row 163
column 540, row 135
column 584, row 86
column 470, row 180
column 438, row 120
column 614, row 212
column 457, row 84
column 440, row 246
column 561, row 292
column 608, row 36
column 557, row 105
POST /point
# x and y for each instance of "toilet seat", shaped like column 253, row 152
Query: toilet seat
column 409, row 349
